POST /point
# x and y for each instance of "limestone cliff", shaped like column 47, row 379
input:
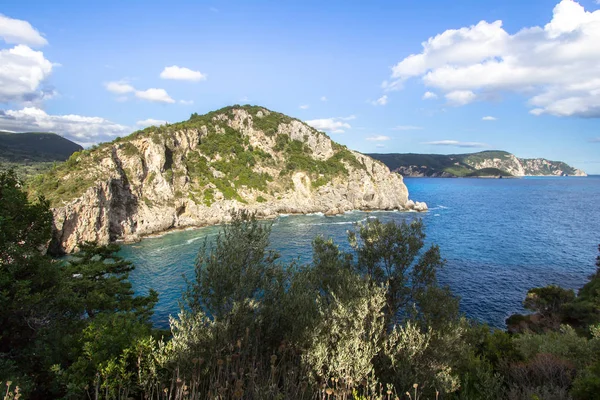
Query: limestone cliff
column 521, row 166
column 492, row 163
column 196, row 172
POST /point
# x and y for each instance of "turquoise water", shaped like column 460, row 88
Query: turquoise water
column 500, row 237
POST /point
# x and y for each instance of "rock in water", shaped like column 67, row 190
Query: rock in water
column 196, row 172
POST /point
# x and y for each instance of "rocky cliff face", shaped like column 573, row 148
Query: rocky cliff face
column 197, row 172
column 484, row 163
column 524, row 167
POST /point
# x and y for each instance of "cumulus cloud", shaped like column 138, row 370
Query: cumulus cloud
column 155, row 95
column 80, row 129
column 407, row 128
column 489, row 118
column 460, row 97
column 182, row 74
column 556, row 65
column 378, row 138
column 382, row 101
column 22, row 72
column 152, row 94
column 16, row 31
column 151, row 122
column 304, row 107
column 332, row 125
column 120, row 87
column 429, row 95
column 455, row 143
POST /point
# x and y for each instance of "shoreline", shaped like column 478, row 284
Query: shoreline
column 159, row 234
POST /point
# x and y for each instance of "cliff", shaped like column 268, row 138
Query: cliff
column 196, row 172
column 495, row 163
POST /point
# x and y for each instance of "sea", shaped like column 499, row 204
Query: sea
column 499, row 237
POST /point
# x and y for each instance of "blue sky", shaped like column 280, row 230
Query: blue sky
column 358, row 70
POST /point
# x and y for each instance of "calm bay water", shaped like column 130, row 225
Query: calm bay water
column 500, row 237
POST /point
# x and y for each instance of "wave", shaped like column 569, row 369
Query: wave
column 336, row 223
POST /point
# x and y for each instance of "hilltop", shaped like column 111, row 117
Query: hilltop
column 482, row 164
column 34, row 152
column 196, row 172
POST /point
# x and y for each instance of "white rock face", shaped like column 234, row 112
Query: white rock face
column 527, row 166
column 150, row 189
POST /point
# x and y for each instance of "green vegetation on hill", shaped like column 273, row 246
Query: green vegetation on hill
column 471, row 165
column 428, row 164
column 370, row 323
column 483, row 172
column 223, row 160
column 30, row 153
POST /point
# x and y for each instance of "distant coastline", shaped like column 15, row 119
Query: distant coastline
column 488, row 164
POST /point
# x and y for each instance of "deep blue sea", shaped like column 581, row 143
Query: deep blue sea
column 500, row 237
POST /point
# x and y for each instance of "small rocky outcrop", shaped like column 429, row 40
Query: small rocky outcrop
column 197, row 172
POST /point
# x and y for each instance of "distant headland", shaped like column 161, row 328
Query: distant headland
column 484, row 164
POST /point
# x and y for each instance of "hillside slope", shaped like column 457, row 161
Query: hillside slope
column 196, row 172
column 493, row 163
column 34, row 152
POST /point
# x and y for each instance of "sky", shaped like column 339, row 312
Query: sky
column 380, row 76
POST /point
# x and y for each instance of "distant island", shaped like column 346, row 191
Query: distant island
column 484, row 164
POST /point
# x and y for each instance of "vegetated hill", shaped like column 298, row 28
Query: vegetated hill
column 196, row 172
column 34, row 152
column 481, row 164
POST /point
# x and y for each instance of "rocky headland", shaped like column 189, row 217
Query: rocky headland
column 195, row 173
column 482, row 164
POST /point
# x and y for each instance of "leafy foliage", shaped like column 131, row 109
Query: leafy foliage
column 49, row 306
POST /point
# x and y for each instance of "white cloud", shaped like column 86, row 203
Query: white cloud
column 407, row 128
column 120, row 87
column 155, row 95
column 429, row 95
column 16, row 31
column 382, row 101
column 151, row 122
column 378, row 138
column 556, row 65
column 80, row 129
column 333, row 125
column 186, row 102
column 304, row 107
column 22, row 71
column 455, row 143
column 152, row 94
column 380, row 146
column 182, row 74
column 323, row 98
column 489, row 118
column 460, row 97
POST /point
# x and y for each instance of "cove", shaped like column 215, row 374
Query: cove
column 500, row 237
